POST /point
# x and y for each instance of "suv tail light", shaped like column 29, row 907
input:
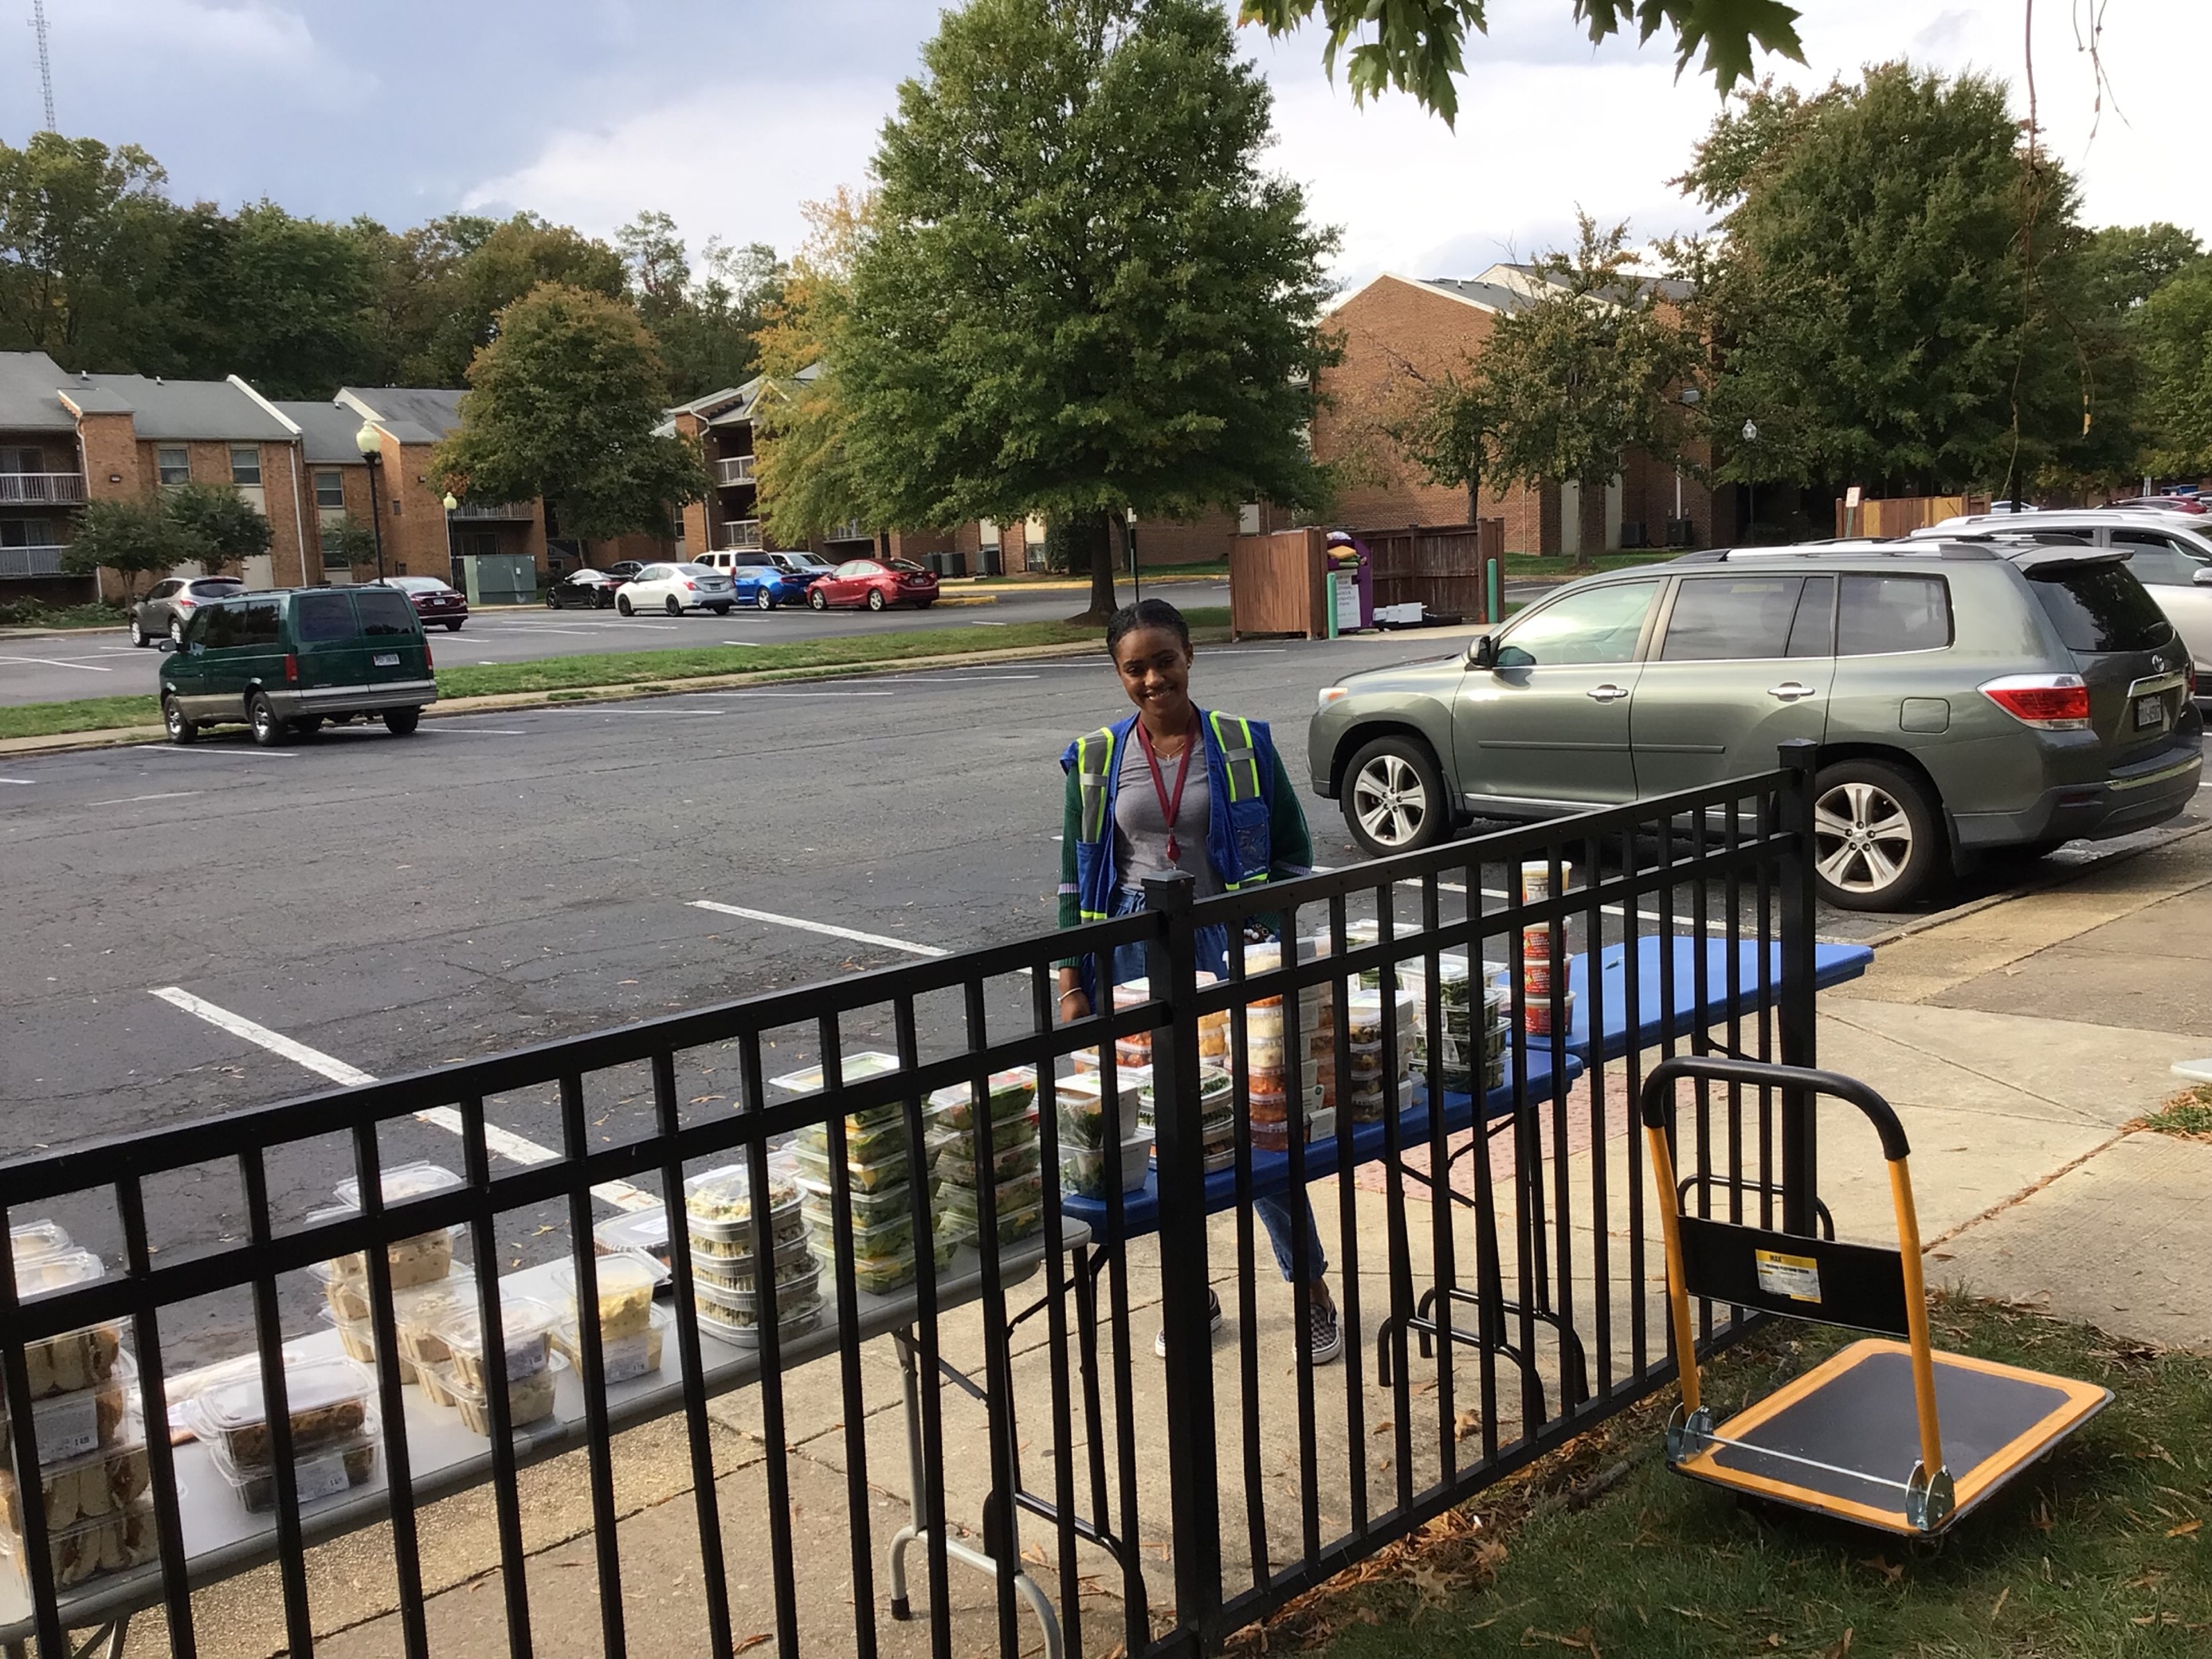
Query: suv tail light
column 291, row 668
column 427, row 662
column 2049, row 703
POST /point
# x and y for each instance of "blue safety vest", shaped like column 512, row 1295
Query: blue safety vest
column 1240, row 776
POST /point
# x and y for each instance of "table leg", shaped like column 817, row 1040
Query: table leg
column 1087, row 1269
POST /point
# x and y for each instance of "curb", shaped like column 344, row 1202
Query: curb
column 124, row 736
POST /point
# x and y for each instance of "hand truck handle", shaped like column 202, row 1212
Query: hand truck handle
column 1658, row 1105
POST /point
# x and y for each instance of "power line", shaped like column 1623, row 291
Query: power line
column 45, row 61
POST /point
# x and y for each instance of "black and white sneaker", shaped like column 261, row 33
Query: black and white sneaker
column 1326, row 1330
column 1213, row 1323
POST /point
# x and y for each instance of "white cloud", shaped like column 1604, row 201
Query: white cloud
column 190, row 41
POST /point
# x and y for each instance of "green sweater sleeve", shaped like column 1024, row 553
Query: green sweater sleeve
column 1291, row 848
column 1071, row 829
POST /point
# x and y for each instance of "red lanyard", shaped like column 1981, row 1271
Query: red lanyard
column 1171, row 805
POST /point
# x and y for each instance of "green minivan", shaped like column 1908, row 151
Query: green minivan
column 283, row 663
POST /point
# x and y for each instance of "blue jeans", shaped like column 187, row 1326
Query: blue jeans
column 1279, row 1216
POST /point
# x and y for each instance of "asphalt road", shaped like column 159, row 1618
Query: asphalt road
column 56, row 668
column 497, row 880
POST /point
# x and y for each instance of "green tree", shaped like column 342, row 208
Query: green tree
column 1418, row 46
column 2174, row 335
column 803, row 475
column 229, row 529
column 83, row 233
column 563, row 403
column 473, row 278
column 1900, row 298
column 1448, row 425
column 1079, row 291
column 348, row 542
column 706, row 325
column 283, row 301
column 132, row 538
column 1586, row 371
column 2128, row 264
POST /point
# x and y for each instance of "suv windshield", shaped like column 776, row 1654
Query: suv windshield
column 2100, row 607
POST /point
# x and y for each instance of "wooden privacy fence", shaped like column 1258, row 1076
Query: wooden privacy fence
column 1900, row 515
column 1277, row 582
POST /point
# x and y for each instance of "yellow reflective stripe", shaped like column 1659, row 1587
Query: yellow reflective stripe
column 1233, row 757
column 1091, row 782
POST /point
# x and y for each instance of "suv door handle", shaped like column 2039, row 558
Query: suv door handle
column 1605, row 693
column 1791, row 691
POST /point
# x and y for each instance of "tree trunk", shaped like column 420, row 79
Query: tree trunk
column 1093, row 538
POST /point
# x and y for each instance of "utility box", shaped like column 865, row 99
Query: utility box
column 497, row 578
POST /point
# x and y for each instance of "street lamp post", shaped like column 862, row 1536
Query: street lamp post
column 370, row 442
column 1751, row 481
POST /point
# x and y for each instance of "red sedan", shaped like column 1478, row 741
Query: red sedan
column 435, row 601
column 877, row 583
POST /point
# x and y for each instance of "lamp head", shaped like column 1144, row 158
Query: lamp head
column 369, row 442
column 451, row 501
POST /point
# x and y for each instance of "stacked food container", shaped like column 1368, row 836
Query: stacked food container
column 1542, row 975
column 1217, row 1096
column 1273, row 1072
column 1011, row 1163
column 726, row 1271
column 880, row 1169
column 465, row 1380
column 425, row 1287
column 1367, row 1014
column 631, row 1330
column 91, row 1446
column 1087, row 1164
column 1471, row 1031
column 331, row 1402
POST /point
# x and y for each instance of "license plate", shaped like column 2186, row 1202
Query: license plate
column 386, row 659
column 2149, row 711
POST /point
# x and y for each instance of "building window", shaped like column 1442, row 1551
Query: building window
column 173, row 464
column 330, row 489
column 475, row 543
column 27, row 532
column 21, row 460
column 246, row 464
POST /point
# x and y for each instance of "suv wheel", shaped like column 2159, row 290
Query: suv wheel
column 1875, row 842
column 268, row 730
column 1393, row 798
column 177, row 631
column 138, row 633
column 180, row 729
column 401, row 722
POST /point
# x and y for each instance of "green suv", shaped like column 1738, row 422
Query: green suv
column 283, row 663
column 1967, row 700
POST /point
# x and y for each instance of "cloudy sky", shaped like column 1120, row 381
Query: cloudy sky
column 728, row 114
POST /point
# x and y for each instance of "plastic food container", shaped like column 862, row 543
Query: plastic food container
column 98, row 1483
column 526, row 1334
column 1537, row 977
column 626, row 1286
column 1014, row 1225
column 717, row 1205
column 644, row 1231
column 103, row 1543
column 1081, row 1103
column 966, row 1203
column 856, row 1067
column 324, row 1473
column 75, row 1359
column 884, row 1237
column 1536, row 943
column 887, row 1167
column 84, row 1420
column 793, row 1278
column 869, row 1209
column 529, row 1400
column 1537, row 879
column 1010, row 1093
column 625, row 1359
column 952, row 1157
column 401, row 1183
column 1536, row 1018
column 357, row 1341
column 1083, row 1172
column 328, row 1400
column 420, row 1316
column 420, row 1259
column 27, row 1240
column 747, row 1334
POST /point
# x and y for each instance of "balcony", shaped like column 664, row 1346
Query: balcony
column 734, row 470
column 30, row 560
column 42, row 488
column 743, row 536
column 851, row 531
column 523, row 510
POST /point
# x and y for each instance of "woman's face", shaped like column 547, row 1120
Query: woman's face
column 1155, row 668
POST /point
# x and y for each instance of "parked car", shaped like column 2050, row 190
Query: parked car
column 285, row 662
column 434, row 601
column 169, row 603
column 804, row 565
column 2170, row 555
column 590, row 590
column 2189, row 504
column 625, row 570
column 1968, row 698
column 760, row 581
column 676, row 588
column 876, row 583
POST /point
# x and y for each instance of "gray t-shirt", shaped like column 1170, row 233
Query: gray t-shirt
column 1140, row 829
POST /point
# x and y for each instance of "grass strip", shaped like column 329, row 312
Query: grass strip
column 44, row 719
column 662, row 667
column 2188, row 1115
column 2102, row 1549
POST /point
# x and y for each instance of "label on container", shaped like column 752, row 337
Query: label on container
column 320, row 1477
column 1797, row 1277
column 624, row 1359
column 67, row 1425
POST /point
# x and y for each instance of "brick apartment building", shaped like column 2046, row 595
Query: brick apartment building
column 1397, row 332
column 68, row 438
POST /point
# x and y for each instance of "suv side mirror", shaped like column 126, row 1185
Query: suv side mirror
column 165, row 645
column 2203, row 576
column 1483, row 652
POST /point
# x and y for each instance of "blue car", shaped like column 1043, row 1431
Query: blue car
column 761, row 582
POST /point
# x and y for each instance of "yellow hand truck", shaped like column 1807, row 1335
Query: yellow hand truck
column 1837, row 1440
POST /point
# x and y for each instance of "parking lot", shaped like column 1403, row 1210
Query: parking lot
column 53, row 669
column 204, row 928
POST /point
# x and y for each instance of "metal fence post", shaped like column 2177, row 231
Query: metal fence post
column 1172, row 965
column 1795, row 1016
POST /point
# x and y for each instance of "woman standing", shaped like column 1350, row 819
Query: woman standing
column 1174, row 787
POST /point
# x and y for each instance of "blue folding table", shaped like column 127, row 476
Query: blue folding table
column 1671, row 1002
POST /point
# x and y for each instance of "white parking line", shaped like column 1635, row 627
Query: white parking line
column 182, row 753
column 18, row 780
column 129, row 800
column 819, row 927
column 473, row 732
column 55, row 662
column 506, row 1144
column 751, row 645
column 802, row 694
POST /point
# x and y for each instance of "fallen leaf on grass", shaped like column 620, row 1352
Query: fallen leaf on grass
column 1839, row 1647
column 1999, row 1607
column 1580, row 1639
column 1890, row 1571
column 2184, row 1529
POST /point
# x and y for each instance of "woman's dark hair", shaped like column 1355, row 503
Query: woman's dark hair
column 1145, row 613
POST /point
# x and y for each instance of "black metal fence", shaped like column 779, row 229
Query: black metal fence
column 1494, row 1179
